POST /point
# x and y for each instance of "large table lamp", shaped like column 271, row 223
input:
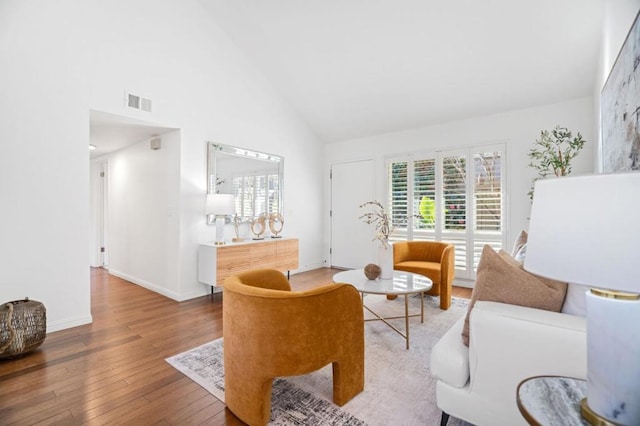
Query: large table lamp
column 586, row 230
column 220, row 205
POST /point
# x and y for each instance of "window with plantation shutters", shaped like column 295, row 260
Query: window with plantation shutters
column 261, row 195
column 454, row 206
column 488, row 199
column 273, row 193
column 424, row 191
column 487, row 191
column 256, row 194
column 454, row 196
column 454, row 192
column 398, row 197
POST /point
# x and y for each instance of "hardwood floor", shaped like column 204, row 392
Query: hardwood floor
column 113, row 370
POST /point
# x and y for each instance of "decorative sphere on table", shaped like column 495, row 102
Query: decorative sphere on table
column 372, row 271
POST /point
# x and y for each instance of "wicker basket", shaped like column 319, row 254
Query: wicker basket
column 23, row 327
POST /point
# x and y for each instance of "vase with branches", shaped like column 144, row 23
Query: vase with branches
column 379, row 219
column 553, row 152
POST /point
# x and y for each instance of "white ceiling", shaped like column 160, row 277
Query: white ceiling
column 354, row 68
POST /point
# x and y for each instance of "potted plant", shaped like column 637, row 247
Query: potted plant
column 553, row 152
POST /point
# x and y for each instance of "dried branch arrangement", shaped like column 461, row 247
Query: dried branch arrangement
column 380, row 219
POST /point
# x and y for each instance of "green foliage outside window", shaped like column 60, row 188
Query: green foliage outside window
column 427, row 210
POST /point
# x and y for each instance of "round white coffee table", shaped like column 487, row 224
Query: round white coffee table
column 402, row 283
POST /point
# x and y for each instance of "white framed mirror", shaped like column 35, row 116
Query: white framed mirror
column 254, row 178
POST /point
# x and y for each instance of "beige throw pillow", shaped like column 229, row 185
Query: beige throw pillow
column 500, row 278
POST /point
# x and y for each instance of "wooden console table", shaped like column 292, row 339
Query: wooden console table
column 217, row 263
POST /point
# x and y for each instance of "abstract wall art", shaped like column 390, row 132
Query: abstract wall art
column 620, row 108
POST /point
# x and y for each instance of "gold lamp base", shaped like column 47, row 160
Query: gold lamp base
column 592, row 417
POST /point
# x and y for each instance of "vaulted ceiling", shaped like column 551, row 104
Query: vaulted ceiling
column 355, row 68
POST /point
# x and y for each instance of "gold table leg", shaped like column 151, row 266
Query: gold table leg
column 406, row 316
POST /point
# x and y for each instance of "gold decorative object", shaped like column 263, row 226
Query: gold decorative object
column 258, row 226
column 276, row 223
column 372, row 271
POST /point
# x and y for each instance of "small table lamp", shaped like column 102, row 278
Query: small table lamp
column 586, row 230
column 220, row 205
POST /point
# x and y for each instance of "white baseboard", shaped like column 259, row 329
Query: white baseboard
column 311, row 266
column 160, row 290
column 306, row 268
column 146, row 284
column 68, row 323
column 194, row 294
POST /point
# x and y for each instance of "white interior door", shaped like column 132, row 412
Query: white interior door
column 352, row 184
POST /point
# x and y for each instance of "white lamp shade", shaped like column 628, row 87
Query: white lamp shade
column 220, row 204
column 586, row 230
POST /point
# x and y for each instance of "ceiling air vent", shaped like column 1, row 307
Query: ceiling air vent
column 138, row 102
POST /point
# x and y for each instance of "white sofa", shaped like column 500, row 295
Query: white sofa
column 508, row 343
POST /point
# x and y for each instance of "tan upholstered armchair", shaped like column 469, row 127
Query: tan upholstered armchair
column 432, row 259
column 271, row 331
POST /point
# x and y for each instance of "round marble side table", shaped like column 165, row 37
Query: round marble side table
column 552, row 400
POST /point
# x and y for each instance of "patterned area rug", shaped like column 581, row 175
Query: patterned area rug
column 399, row 388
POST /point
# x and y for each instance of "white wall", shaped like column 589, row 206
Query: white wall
column 60, row 59
column 172, row 53
column 618, row 18
column 44, row 160
column 143, row 193
column 517, row 129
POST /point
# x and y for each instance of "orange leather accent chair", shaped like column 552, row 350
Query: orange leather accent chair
column 271, row 331
column 433, row 259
